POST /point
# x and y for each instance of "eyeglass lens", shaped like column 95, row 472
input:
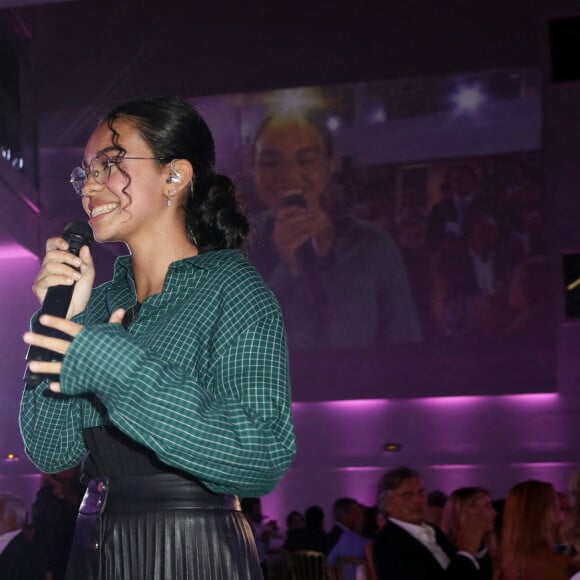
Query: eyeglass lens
column 99, row 168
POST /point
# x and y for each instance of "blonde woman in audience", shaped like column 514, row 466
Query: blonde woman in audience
column 571, row 532
column 530, row 529
column 472, row 505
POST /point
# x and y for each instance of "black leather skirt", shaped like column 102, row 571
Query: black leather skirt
column 160, row 527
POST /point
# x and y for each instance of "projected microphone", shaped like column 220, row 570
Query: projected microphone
column 56, row 303
column 306, row 255
column 312, row 275
column 307, row 258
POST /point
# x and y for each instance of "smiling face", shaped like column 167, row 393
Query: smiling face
column 291, row 157
column 131, row 202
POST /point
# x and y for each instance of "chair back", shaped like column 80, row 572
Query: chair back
column 348, row 568
column 277, row 565
column 307, row 565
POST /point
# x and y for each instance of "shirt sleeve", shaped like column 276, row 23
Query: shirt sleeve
column 51, row 425
column 230, row 427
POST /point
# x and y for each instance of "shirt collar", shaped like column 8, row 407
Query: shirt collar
column 6, row 538
column 203, row 261
column 414, row 529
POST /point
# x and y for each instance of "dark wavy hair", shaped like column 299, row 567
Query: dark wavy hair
column 173, row 129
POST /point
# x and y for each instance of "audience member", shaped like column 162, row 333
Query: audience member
column 471, row 506
column 20, row 557
column 341, row 281
column 294, row 521
column 407, row 548
column 54, row 514
column 461, row 196
column 530, row 528
column 530, row 298
column 352, row 542
column 347, row 516
column 411, row 232
column 266, row 532
column 499, row 506
column 571, row 533
column 475, row 276
column 435, row 504
column 312, row 536
column 565, row 509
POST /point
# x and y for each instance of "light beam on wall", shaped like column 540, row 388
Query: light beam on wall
column 294, row 101
column 468, row 98
column 14, row 251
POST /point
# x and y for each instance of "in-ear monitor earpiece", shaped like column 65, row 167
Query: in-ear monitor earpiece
column 175, row 178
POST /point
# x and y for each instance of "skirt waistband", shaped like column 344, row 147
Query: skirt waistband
column 156, row 492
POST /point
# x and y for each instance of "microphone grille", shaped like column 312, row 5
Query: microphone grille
column 81, row 229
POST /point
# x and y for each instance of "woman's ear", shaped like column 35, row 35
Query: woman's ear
column 179, row 174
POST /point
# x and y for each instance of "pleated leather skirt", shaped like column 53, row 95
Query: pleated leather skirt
column 160, row 527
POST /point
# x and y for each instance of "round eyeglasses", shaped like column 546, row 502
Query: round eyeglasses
column 99, row 169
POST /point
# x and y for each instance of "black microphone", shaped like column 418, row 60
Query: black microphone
column 56, row 303
column 309, row 263
column 305, row 253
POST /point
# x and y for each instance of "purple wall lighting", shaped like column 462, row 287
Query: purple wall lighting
column 14, row 251
column 493, row 441
column 18, row 268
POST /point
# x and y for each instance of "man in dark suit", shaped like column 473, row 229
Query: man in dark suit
column 20, row 557
column 407, row 548
column 461, row 197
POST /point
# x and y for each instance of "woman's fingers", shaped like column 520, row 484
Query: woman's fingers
column 57, row 345
column 45, row 368
column 67, row 326
column 117, row 316
column 54, row 387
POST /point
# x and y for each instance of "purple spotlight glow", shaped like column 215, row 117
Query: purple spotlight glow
column 451, row 402
column 12, row 251
column 455, row 466
column 349, row 405
column 546, row 464
column 360, row 468
column 526, row 399
column 533, row 398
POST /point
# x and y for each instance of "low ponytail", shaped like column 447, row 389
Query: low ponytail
column 213, row 216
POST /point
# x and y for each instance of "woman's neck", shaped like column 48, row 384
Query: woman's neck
column 151, row 264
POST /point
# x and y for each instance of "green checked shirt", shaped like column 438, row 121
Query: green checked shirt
column 200, row 377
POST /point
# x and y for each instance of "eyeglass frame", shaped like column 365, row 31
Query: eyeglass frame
column 109, row 163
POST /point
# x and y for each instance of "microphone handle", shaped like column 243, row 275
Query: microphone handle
column 56, row 303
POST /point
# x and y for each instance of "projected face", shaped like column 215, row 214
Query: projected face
column 291, row 158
